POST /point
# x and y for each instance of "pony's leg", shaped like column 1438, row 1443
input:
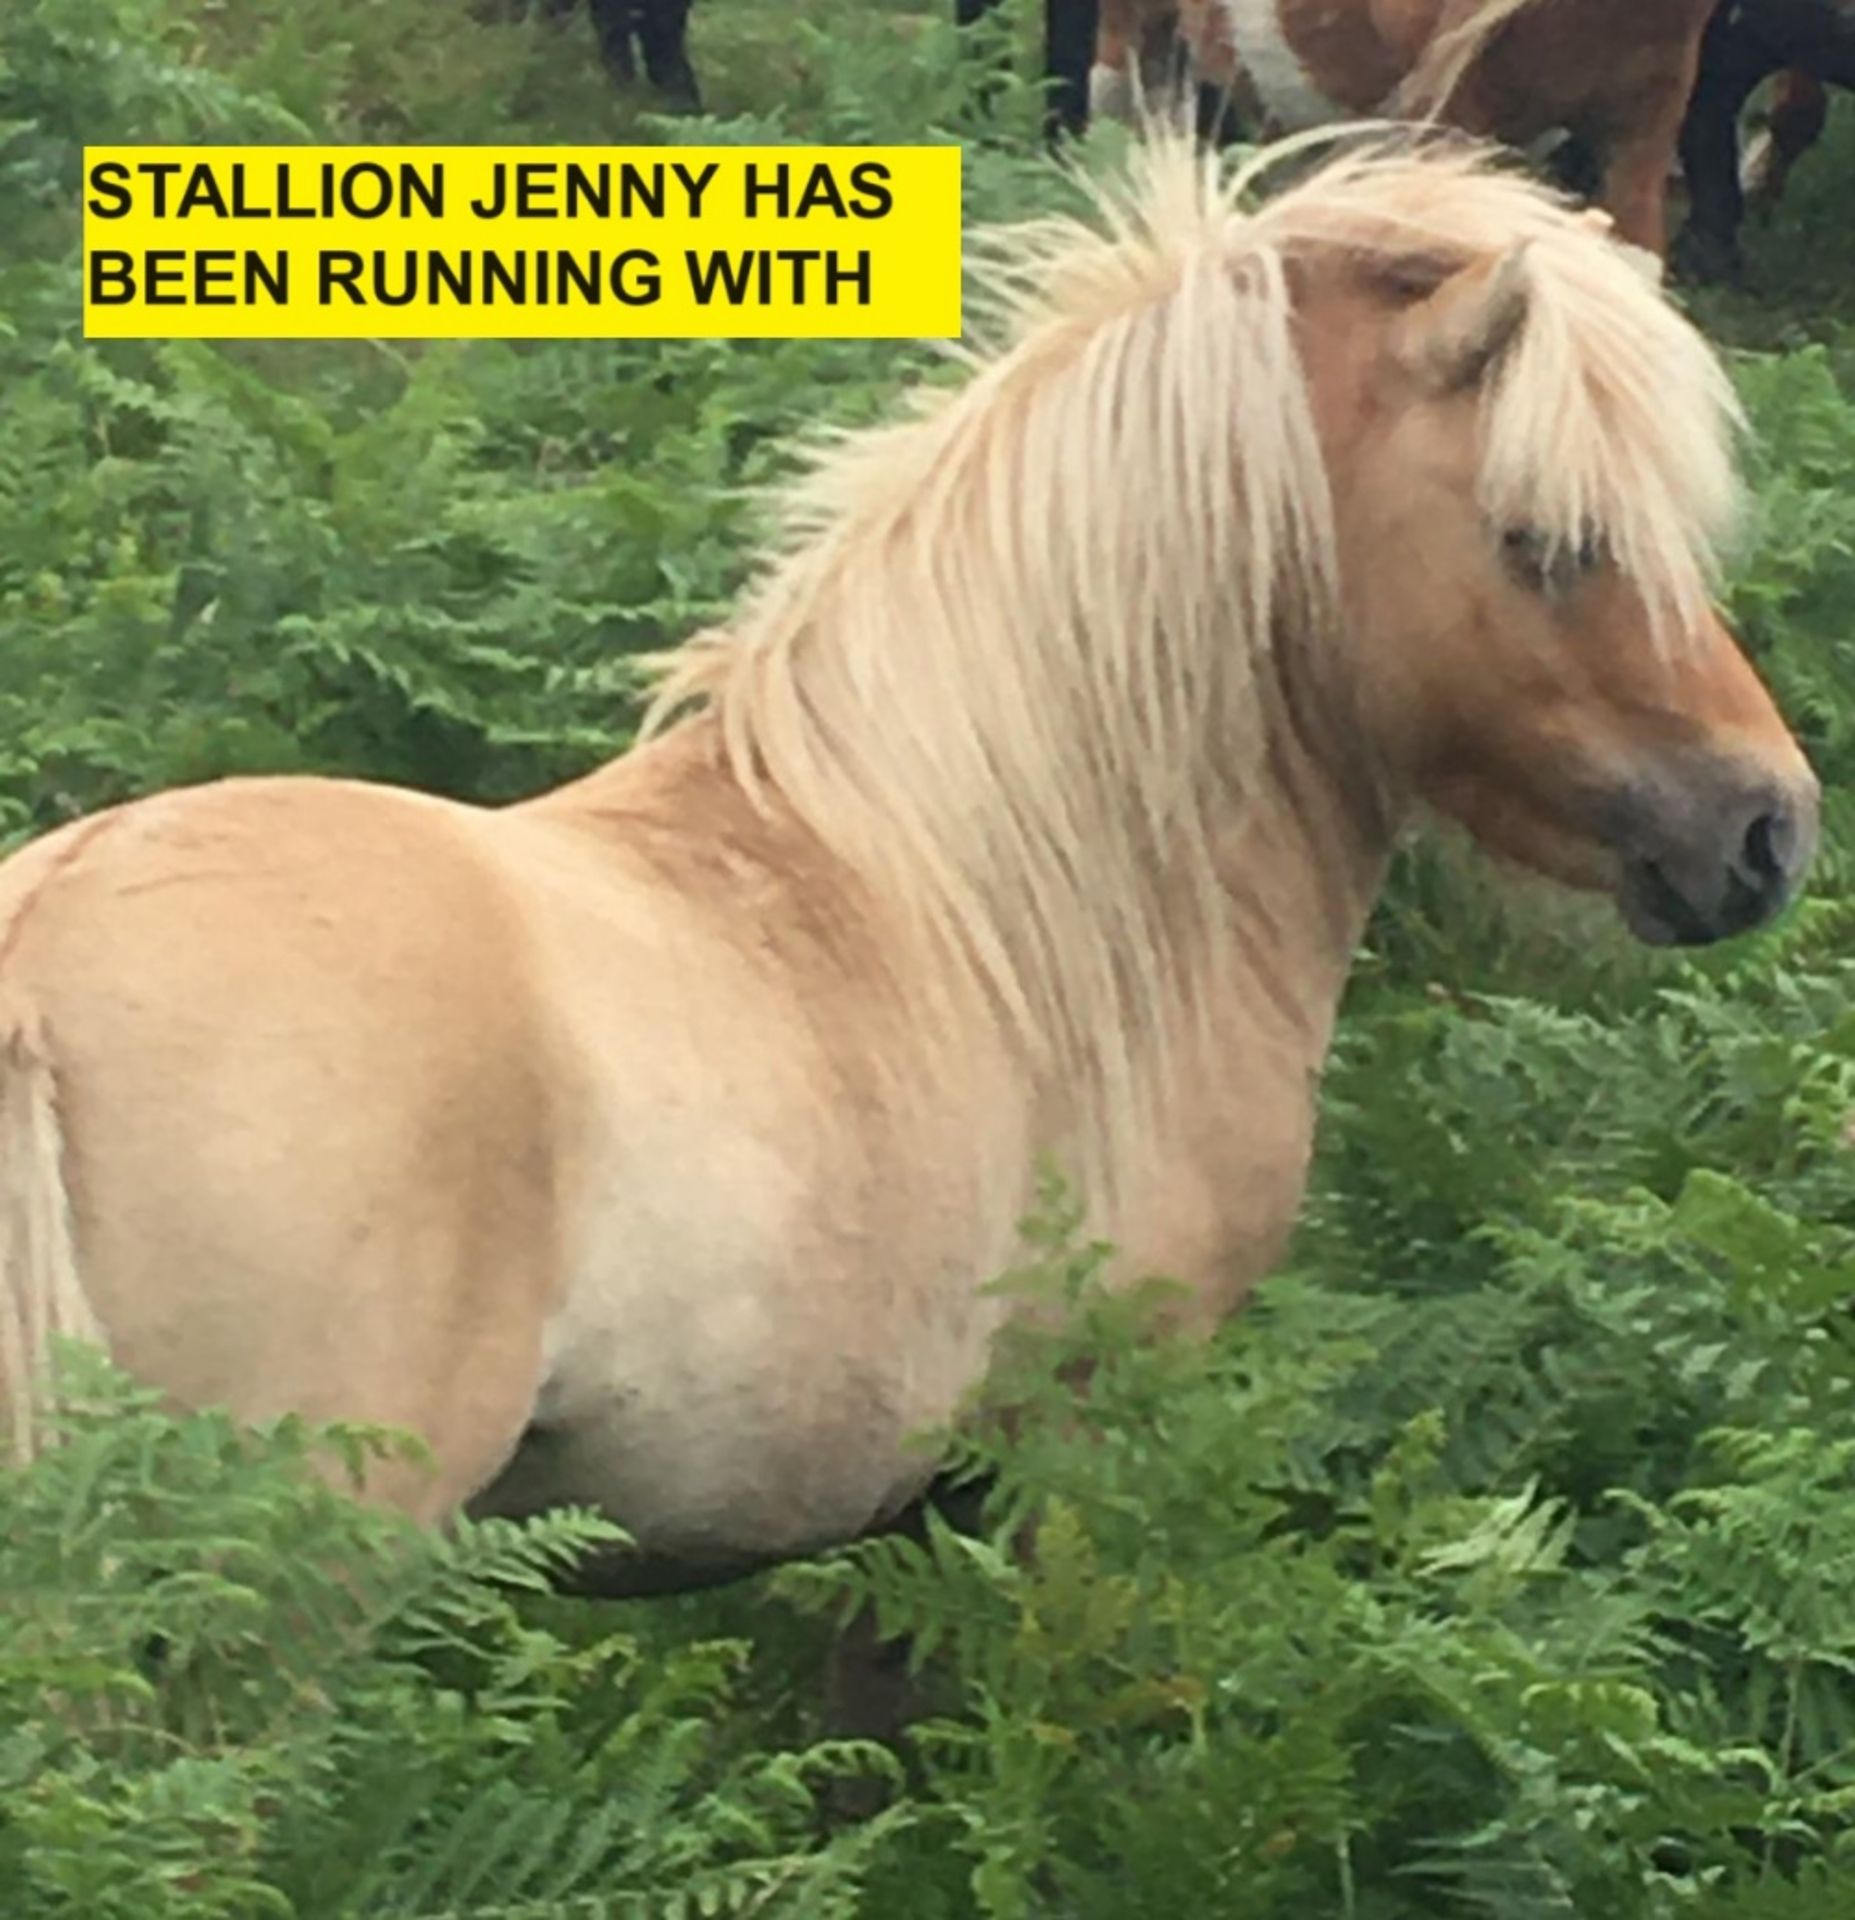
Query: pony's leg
column 1146, row 59
column 1708, row 248
column 1215, row 117
column 613, row 23
column 1071, row 28
column 869, row 1692
column 869, row 1695
column 1208, row 54
column 1637, row 162
column 1636, row 190
column 1111, row 77
column 663, row 35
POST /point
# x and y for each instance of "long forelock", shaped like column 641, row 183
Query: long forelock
column 1609, row 418
column 1635, row 453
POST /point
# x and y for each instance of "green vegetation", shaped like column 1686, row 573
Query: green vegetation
column 1500, row 1563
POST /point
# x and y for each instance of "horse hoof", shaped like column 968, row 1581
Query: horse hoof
column 675, row 88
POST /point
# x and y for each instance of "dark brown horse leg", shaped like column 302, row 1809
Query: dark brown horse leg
column 663, row 35
column 869, row 1695
column 1731, row 66
column 613, row 24
column 1070, row 28
column 1215, row 117
column 869, row 1692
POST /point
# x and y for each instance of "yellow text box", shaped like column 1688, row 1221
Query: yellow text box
column 507, row 243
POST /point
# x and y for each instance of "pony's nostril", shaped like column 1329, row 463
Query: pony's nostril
column 1767, row 842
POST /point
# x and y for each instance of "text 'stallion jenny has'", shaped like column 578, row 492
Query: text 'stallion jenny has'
column 519, row 189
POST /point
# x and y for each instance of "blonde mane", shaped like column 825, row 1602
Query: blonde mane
column 1011, row 658
column 1431, row 84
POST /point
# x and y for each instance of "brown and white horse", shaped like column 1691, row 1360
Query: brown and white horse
column 650, row 1143
column 1514, row 70
column 1798, row 113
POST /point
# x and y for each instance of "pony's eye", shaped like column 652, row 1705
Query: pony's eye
column 1528, row 556
column 1547, row 565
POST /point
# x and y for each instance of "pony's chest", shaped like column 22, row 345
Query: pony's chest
column 757, row 1319
column 1220, row 1200
column 730, row 1411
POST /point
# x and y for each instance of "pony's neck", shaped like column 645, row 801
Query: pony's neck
column 1302, row 865
column 1022, row 674
column 1207, row 1188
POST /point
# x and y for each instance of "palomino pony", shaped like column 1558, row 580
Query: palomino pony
column 650, row 1143
column 1617, row 76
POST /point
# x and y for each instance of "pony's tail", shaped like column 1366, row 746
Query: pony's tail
column 41, row 1297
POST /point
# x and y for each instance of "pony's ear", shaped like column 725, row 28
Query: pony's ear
column 1449, row 340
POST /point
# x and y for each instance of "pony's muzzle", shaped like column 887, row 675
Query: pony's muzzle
column 1707, row 865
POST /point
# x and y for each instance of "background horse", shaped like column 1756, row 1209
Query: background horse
column 1795, row 117
column 1746, row 44
column 1153, row 50
column 654, row 32
column 648, row 1143
column 1070, row 31
column 1514, row 70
